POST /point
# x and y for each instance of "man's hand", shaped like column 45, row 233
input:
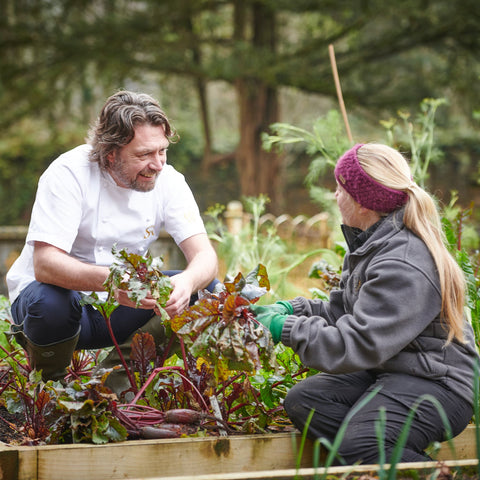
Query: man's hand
column 121, row 296
column 180, row 297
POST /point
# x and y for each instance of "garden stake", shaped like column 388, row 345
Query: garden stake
column 339, row 91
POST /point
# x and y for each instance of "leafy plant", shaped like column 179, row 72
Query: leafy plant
column 85, row 415
column 140, row 276
column 324, row 144
column 4, row 327
column 244, row 250
column 222, row 347
column 230, row 377
column 419, row 135
column 55, row 413
column 328, row 272
column 5, row 313
column 454, row 228
column 220, row 328
column 255, row 245
column 274, row 385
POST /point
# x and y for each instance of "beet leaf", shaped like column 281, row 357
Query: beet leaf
column 220, row 328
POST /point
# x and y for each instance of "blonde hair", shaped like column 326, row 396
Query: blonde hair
column 388, row 167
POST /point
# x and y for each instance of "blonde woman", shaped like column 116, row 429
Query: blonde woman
column 396, row 323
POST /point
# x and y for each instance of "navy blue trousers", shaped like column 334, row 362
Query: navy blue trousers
column 334, row 396
column 51, row 314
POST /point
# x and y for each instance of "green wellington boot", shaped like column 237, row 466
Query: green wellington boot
column 52, row 359
column 117, row 380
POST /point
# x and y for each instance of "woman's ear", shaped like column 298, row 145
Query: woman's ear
column 363, row 210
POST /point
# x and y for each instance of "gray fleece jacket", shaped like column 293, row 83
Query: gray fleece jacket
column 384, row 317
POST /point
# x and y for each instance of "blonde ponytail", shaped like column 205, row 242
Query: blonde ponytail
column 388, row 167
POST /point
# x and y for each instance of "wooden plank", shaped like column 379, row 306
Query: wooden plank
column 422, row 468
column 176, row 457
column 465, row 446
column 27, row 463
column 8, row 464
column 185, row 456
column 18, row 463
column 310, row 473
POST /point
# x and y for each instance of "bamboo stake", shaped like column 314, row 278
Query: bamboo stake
column 339, row 91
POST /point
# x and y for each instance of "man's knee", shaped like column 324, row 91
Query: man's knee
column 55, row 302
column 49, row 314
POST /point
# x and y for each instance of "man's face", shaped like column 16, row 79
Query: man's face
column 138, row 164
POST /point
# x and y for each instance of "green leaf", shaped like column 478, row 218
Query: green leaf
column 220, row 326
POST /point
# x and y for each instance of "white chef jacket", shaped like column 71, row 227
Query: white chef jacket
column 81, row 210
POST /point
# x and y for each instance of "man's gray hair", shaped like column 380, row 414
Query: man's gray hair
column 115, row 127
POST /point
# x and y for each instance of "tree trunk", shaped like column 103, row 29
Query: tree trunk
column 200, row 85
column 258, row 171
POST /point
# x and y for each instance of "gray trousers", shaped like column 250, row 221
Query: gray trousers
column 333, row 396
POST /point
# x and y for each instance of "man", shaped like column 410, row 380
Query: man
column 117, row 189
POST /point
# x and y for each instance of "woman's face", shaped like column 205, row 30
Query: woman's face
column 349, row 208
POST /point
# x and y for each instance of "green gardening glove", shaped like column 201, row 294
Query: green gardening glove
column 273, row 317
column 281, row 307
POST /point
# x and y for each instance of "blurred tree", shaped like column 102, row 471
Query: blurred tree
column 60, row 58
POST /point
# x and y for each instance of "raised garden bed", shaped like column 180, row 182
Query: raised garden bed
column 227, row 458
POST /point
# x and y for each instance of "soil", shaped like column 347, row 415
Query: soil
column 11, row 428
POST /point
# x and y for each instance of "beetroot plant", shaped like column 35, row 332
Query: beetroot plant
column 227, row 377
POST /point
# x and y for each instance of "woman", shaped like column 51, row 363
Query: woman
column 396, row 323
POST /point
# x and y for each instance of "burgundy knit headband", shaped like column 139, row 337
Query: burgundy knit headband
column 363, row 188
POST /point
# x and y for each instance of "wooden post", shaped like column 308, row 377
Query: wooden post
column 234, row 217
